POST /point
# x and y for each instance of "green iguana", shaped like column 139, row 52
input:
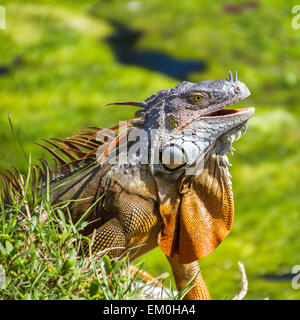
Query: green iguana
column 163, row 180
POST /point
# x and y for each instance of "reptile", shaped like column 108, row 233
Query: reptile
column 160, row 179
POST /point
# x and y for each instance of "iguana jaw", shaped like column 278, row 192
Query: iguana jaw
column 225, row 124
column 227, row 120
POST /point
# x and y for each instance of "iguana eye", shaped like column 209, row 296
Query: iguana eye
column 197, row 98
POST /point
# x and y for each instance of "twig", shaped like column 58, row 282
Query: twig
column 244, row 290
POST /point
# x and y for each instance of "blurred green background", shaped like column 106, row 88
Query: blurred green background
column 57, row 70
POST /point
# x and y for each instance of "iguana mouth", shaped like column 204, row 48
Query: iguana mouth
column 222, row 114
column 226, row 112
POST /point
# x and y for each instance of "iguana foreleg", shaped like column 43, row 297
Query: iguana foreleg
column 110, row 235
column 134, row 228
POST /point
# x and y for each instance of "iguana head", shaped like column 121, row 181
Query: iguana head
column 190, row 122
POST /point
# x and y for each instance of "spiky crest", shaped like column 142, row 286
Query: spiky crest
column 71, row 155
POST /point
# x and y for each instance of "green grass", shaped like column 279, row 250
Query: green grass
column 69, row 72
column 41, row 257
column 42, row 260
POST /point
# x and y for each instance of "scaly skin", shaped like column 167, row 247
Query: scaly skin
column 181, row 198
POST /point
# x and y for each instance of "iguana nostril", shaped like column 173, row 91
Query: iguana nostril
column 237, row 89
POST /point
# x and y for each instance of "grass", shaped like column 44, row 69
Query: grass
column 41, row 258
column 67, row 72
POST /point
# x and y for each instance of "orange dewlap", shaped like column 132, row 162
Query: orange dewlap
column 195, row 225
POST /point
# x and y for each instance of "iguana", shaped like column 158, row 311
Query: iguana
column 163, row 180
